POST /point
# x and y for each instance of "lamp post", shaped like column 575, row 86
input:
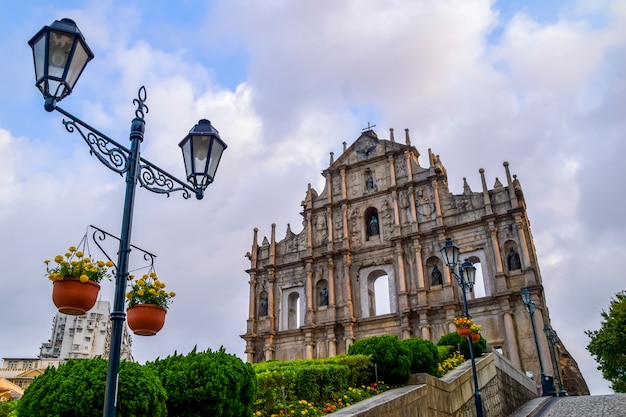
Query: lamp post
column 551, row 335
column 60, row 54
column 530, row 307
column 450, row 254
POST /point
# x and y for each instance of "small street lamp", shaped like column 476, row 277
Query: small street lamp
column 60, row 54
column 546, row 385
column 466, row 278
column 552, row 338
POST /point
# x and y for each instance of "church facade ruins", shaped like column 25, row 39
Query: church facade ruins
column 368, row 262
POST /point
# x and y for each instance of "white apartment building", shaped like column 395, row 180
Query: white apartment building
column 83, row 337
column 73, row 337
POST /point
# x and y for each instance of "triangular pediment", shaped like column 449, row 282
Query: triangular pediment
column 366, row 147
column 31, row 373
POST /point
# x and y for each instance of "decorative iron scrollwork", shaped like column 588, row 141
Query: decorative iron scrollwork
column 117, row 157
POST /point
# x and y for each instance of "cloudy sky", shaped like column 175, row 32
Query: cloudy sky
column 539, row 84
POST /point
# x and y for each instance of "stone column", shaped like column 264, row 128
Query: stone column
column 392, row 168
column 252, row 309
column 426, row 332
column 344, row 185
column 511, row 341
column 331, row 289
column 330, row 227
column 401, row 279
column 413, row 208
column 332, row 343
column 349, row 311
column 493, row 232
column 435, row 187
column 544, row 348
column 486, row 198
column 308, row 340
column 512, row 196
column 522, row 243
column 310, row 314
column 270, row 300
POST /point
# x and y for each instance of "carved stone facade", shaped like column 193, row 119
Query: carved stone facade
column 382, row 218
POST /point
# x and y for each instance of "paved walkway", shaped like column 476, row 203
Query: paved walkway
column 613, row 405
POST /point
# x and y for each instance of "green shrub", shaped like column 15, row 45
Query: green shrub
column 76, row 389
column 460, row 343
column 207, row 383
column 315, row 383
column 424, row 355
column 445, row 352
column 310, row 380
column 8, row 408
column 393, row 360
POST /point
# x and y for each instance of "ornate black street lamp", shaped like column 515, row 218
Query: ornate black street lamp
column 552, row 338
column 466, row 278
column 546, row 380
column 60, row 54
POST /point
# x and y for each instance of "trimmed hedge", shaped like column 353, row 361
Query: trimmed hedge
column 389, row 355
column 207, row 383
column 424, row 356
column 313, row 380
column 76, row 389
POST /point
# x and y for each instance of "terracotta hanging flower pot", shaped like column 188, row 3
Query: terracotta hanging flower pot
column 463, row 331
column 146, row 319
column 73, row 297
column 475, row 337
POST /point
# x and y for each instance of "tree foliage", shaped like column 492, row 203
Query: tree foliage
column 391, row 357
column 608, row 345
column 76, row 389
column 207, row 383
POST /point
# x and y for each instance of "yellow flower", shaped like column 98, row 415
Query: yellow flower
column 101, row 264
column 58, row 259
column 129, row 295
column 153, row 275
column 109, row 263
column 68, row 255
column 84, row 278
column 172, row 294
column 141, row 282
column 131, row 277
column 79, row 254
column 72, row 249
column 140, row 292
column 47, row 261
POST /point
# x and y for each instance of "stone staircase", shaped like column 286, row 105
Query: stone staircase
column 504, row 389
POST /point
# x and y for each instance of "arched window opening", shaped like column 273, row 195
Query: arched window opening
column 381, row 297
column 481, row 278
column 293, row 317
column 372, row 225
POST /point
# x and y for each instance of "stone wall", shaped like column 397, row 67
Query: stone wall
column 503, row 390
